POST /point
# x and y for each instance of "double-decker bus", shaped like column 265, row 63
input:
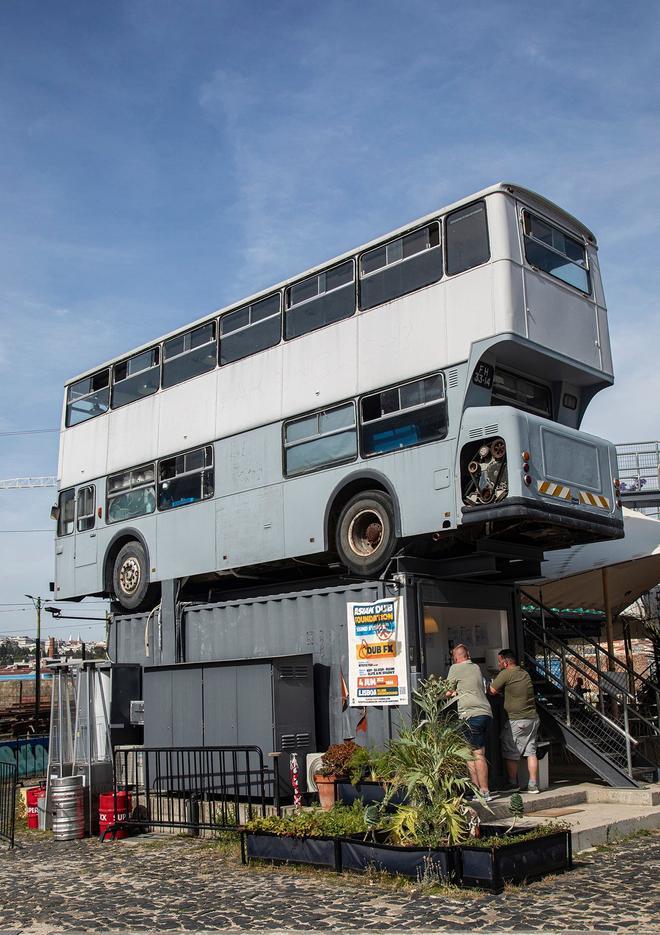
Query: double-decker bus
column 424, row 389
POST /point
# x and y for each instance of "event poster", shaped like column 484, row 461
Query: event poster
column 378, row 658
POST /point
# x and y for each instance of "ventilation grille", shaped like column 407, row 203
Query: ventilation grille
column 294, row 672
column 476, row 433
column 492, row 429
column 294, row 741
column 452, row 378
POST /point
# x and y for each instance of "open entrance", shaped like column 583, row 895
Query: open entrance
column 483, row 631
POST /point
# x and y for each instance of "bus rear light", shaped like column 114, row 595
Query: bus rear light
column 525, row 456
column 528, row 480
column 100, row 512
column 526, row 468
column 617, row 482
column 618, row 503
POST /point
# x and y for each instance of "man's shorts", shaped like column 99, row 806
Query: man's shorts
column 519, row 738
column 475, row 730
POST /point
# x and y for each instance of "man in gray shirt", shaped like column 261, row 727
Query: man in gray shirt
column 474, row 710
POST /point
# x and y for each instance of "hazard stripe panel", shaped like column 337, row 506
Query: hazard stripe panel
column 554, row 490
column 594, row 499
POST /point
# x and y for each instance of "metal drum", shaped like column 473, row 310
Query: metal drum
column 68, row 808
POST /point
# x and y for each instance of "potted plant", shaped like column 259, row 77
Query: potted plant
column 368, row 775
column 310, row 836
column 427, row 767
column 334, row 766
column 504, row 855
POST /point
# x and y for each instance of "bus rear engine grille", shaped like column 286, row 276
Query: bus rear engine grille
column 484, row 475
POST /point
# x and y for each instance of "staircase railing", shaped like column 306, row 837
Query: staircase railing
column 555, row 663
column 612, row 673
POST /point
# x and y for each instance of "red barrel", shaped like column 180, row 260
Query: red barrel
column 108, row 816
column 31, row 798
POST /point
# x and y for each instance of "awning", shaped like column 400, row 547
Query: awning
column 574, row 577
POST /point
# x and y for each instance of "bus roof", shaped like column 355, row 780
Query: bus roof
column 508, row 187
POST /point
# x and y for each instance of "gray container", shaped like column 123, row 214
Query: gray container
column 68, row 808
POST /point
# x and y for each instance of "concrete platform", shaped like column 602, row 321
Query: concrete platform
column 597, row 814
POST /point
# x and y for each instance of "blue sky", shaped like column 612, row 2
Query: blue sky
column 160, row 159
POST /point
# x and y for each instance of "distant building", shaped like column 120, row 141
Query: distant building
column 639, row 472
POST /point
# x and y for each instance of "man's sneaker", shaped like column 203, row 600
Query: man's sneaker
column 533, row 788
column 482, row 796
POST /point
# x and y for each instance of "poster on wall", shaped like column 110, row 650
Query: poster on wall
column 377, row 654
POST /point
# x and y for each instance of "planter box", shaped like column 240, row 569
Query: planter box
column 413, row 862
column 367, row 792
column 315, row 852
column 491, row 867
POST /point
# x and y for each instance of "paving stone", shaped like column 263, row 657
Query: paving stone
column 182, row 884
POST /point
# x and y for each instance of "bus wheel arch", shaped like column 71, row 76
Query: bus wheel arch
column 127, row 577
column 363, row 524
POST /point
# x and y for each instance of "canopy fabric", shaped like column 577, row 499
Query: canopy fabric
column 574, row 577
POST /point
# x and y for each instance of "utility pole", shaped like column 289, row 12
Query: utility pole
column 37, row 657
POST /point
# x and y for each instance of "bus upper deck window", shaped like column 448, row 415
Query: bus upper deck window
column 400, row 266
column 553, row 251
column 188, row 355
column 320, row 300
column 466, row 233
column 250, row 329
column 136, row 377
column 88, row 398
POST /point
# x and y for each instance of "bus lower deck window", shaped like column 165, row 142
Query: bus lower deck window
column 321, row 439
column 403, row 416
column 510, row 389
column 65, row 522
column 185, row 478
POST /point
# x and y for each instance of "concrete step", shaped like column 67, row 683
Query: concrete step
column 498, row 807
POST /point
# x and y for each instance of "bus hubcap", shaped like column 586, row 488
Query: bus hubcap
column 365, row 534
column 129, row 576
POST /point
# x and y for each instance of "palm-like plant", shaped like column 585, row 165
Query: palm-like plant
column 429, row 763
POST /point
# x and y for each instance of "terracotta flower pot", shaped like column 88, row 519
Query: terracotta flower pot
column 327, row 791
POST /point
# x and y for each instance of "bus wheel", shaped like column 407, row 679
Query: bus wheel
column 365, row 532
column 130, row 576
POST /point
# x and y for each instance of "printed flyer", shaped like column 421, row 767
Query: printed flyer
column 377, row 654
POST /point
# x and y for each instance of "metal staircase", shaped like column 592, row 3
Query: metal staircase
column 612, row 721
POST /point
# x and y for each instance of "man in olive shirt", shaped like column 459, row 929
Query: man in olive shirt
column 522, row 723
column 474, row 710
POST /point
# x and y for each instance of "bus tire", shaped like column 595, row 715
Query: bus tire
column 130, row 576
column 365, row 537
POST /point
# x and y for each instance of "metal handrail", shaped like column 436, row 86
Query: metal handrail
column 637, row 675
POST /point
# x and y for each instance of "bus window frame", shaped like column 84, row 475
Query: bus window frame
column 287, row 307
column 214, row 322
column 397, row 386
column 86, row 516
column 60, row 519
column 577, row 238
column 401, row 237
column 200, row 471
column 109, row 497
column 318, row 412
column 250, row 324
column 126, row 360
column 68, row 401
column 445, row 218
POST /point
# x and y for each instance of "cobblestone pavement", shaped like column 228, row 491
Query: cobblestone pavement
column 175, row 883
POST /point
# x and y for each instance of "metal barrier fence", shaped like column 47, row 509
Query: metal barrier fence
column 192, row 788
column 8, row 777
column 28, row 754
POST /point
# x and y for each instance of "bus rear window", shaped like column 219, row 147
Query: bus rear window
column 403, row 416
column 549, row 249
column 509, row 389
column 88, row 398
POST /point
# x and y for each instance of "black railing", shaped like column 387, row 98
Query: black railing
column 8, row 777
column 192, row 788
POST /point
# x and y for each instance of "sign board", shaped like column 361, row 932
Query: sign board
column 377, row 654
